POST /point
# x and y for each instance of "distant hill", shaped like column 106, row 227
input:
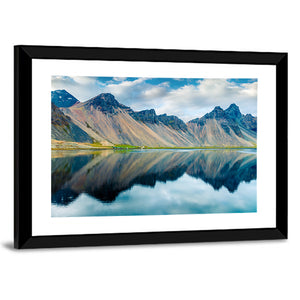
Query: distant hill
column 106, row 120
column 61, row 98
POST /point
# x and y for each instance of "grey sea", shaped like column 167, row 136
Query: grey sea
column 153, row 182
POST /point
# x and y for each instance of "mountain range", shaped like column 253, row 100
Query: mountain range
column 104, row 120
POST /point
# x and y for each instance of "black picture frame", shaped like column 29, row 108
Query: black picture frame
column 23, row 56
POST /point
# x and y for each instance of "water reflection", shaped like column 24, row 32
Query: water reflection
column 110, row 175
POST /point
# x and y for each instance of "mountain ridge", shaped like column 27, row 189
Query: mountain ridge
column 117, row 123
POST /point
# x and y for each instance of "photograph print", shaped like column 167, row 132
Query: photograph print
column 153, row 146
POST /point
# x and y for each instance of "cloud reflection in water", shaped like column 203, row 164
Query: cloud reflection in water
column 154, row 183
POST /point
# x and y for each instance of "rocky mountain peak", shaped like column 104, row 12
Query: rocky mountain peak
column 172, row 121
column 107, row 103
column 147, row 115
column 61, row 98
column 228, row 119
column 233, row 106
column 233, row 112
column 217, row 108
column 249, row 122
column 104, row 98
column 216, row 113
column 150, row 116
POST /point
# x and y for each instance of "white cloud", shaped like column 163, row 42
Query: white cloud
column 85, row 80
column 192, row 101
column 249, row 89
column 156, row 91
column 119, row 78
column 187, row 102
column 81, row 87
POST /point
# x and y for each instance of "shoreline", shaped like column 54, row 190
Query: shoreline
column 68, row 145
column 150, row 148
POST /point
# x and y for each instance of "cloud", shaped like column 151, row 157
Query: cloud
column 188, row 101
column 249, row 89
column 138, row 94
column 85, row 80
column 192, row 101
column 119, row 78
column 157, row 91
column 125, row 88
column 81, row 87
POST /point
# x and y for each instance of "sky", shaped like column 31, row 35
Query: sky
column 187, row 98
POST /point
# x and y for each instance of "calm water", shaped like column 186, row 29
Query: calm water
column 153, row 182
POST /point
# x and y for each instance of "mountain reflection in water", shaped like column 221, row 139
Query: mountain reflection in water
column 106, row 175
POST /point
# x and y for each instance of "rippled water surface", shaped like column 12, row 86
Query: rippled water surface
column 153, row 182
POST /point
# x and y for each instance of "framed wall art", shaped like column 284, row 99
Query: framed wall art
column 142, row 146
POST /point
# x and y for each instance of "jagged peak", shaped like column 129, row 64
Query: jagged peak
column 60, row 91
column 63, row 91
column 62, row 98
column 147, row 115
column 233, row 112
column 249, row 116
column 216, row 113
column 103, row 99
column 217, row 108
column 107, row 103
column 151, row 111
column 233, row 106
column 105, row 96
column 172, row 121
